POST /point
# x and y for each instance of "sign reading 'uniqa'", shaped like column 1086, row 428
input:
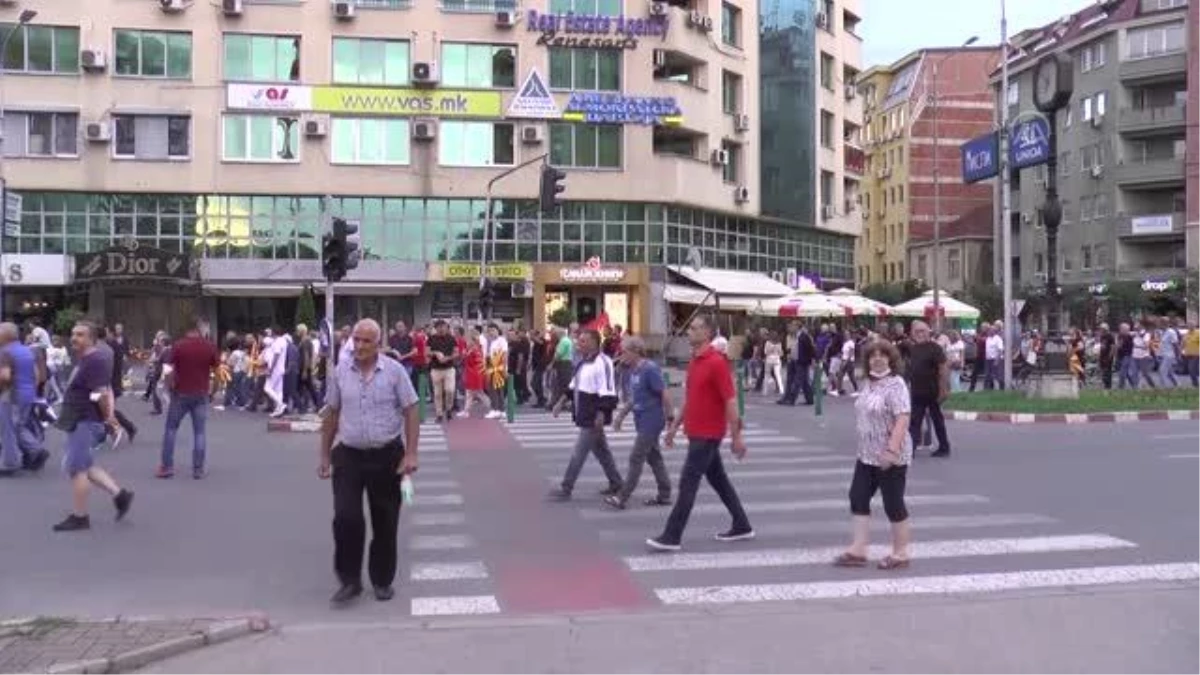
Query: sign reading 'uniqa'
column 1029, row 143
column 596, row 31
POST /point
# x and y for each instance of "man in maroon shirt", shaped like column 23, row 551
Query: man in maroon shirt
column 710, row 406
column 188, row 372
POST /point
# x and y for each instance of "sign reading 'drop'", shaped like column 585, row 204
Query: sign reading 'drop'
column 1029, row 143
column 124, row 262
column 981, row 158
column 598, row 108
column 596, row 31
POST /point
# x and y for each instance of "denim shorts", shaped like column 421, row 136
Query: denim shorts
column 77, row 456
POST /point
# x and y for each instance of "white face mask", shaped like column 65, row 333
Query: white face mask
column 880, row 373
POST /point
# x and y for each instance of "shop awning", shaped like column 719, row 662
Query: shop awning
column 688, row 295
column 253, row 290
column 734, row 282
column 371, row 288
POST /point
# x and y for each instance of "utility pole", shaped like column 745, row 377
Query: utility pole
column 1005, row 200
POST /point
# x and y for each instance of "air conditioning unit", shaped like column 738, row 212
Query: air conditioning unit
column 1026, row 219
column 1097, row 171
column 316, row 127
column 741, row 194
column 658, row 9
column 522, row 289
column 695, row 19
column 777, row 275
column 97, row 132
column 531, row 134
column 660, row 58
column 719, row 158
column 93, row 59
column 425, row 72
column 343, row 9
column 707, row 24
column 424, row 130
column 173, row 6
column 506, row 19
column 1096, row 121
column 232, row 7
column 741, row 122
column 822, row 20
column 826, row 211
column 851, row 92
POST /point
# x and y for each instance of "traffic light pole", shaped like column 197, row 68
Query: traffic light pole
column 326, row 226
column 488, row 239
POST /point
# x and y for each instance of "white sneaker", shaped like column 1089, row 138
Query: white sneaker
column 218, row 407
column 462, row 415
column 495, row 415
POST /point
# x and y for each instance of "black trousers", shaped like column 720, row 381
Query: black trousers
column 373, row 470
column 871, row 479
column 537, row 382
column 928, row 405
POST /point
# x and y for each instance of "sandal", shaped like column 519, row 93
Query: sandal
column 614, row 502
column 893, row 563
column 850, row 560
column 657, row 501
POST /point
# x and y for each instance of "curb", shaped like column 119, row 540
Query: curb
column 1073, row 418
column 125, row 662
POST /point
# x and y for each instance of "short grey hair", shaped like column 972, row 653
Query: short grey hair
column 634, row 344
column 9, row 331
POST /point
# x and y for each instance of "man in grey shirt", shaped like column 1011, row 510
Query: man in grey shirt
column 370, row 410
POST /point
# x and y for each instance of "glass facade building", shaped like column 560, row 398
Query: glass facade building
column 423, row 230
column 787, row 76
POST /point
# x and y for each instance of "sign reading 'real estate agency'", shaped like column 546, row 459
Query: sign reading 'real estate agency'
column 593, row 271
column 595, row 31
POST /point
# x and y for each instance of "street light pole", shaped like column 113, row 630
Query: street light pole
column 1005, row 200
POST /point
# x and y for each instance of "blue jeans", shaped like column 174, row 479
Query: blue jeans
column 184, row 404
column 235, row 391
column 15, row 434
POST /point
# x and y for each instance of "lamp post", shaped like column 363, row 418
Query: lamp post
column 937, row 194
column 1005, row 201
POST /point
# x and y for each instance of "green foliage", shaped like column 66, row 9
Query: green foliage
column 561, row 317
column 66, row 318
column 306, row 309
column 894, row 293
column 1089, row 401
column 988, row 299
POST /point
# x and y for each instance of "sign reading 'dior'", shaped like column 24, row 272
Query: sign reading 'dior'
column 136, row 262
column 596, row 31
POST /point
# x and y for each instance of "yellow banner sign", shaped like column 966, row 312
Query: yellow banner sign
column 394, row 102
column 470, row 271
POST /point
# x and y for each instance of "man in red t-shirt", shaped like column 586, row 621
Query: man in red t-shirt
column 188, row 372
column 710, row 406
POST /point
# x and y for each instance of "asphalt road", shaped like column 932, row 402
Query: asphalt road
column 1077, row 542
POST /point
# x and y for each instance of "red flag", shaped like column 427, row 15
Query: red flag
column 599, row 323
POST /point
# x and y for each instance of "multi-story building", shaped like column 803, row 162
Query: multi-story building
column 179, row 156
column 1121, row 146
column 1192, row 177
column 919, row 110
column 812, row 115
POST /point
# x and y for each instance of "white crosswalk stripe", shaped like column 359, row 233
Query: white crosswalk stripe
column 454, row 605
column 786, row 507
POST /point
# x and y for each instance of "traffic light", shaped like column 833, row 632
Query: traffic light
column 341, row 249
column 487, row 297
column 552, row 180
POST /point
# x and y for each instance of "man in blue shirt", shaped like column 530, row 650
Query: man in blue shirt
column 18, row 378
column 647, row 397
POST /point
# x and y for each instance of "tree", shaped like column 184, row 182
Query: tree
column 893, row 293
column 561, row 317
column 306, row 309
column 66, row 318
column 988, row 299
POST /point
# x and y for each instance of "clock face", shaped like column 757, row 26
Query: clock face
column 1045, row 85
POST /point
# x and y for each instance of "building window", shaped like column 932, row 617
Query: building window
column 34, row 134
column 1039, row 263
column 586, row 7
column 152, row 136
column 585, row 69
column 827, row 63
column 586, row 146
column 364, row 140
column 731, row 92
column 730, row 172
column 953, row 264
column 475, row 143
column 362, row 61
column 1014, row 93
column 731, row 25
column 265, row 58
column 41, row 49
column 827, row 195
column 1141, row 43
column 144, row 53
column 260, row 138
column 826, row 129
column 1085, row 256
column 922, row 265
column 1092, row 57
column 478, row 66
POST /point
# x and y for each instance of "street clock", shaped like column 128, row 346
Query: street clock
column 1052, row 83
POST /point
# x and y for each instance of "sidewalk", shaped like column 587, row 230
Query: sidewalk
column 52, row 645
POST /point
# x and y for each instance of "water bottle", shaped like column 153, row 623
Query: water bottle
column 406, row 489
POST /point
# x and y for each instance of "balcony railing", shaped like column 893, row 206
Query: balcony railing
column 1151, row 120
column 1162, row 67
column 1150, row 172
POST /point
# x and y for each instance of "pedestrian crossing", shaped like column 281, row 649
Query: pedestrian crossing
column 794, row 491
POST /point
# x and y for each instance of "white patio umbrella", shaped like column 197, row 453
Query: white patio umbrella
column 859, row 305
column 923, row 307
column 802, row 305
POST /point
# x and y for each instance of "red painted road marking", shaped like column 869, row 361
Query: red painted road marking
column 542, row 556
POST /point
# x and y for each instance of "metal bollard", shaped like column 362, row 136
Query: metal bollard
column 510, row 400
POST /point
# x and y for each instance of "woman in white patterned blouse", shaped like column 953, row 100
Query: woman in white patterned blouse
column 884, row 452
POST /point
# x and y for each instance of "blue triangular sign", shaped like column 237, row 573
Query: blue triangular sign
column 534, row 100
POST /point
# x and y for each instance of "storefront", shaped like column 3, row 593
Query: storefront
column 452, row 292
column 33, row 286
column 621, row 292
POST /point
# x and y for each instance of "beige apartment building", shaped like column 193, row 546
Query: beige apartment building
column 215, row 139
column 840, row 158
